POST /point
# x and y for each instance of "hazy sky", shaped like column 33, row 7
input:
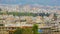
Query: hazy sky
column 41, row 2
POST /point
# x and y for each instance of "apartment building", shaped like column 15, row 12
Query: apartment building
column 9, row 23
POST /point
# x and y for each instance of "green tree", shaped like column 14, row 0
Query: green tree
column 35, row 29
column 19, row 31
column 27, row 31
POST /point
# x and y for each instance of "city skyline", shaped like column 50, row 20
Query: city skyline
column 40, row 2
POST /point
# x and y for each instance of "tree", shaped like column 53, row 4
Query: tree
column 27, row 31
column 35, row 29
column 19, row 31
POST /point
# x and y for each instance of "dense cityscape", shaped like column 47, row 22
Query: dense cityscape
column 25, row 16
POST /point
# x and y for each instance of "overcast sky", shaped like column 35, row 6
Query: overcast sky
column 41, row 2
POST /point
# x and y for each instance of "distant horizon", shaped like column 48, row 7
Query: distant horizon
column 24, row 2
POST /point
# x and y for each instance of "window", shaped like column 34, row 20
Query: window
column 1, row 24
column 59, row 22
column 22, row 20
